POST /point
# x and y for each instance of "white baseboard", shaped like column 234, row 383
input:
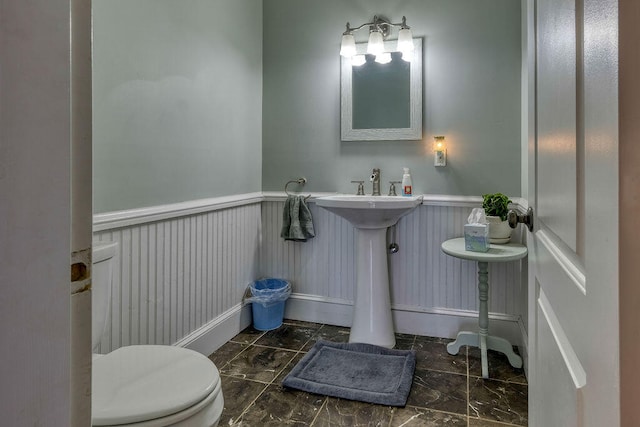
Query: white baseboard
column 524, row 346
column 212, row 335
column 443, row 323
column 313, row 308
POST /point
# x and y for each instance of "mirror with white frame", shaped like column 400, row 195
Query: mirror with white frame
column 382, row 102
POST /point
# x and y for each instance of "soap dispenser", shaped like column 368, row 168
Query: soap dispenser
column 406, row 183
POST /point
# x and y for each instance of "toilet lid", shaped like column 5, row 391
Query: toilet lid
column 143, row 382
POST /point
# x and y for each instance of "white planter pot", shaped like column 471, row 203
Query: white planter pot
column 499, row 230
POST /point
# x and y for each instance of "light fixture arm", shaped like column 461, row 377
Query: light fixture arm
column 379, row 29
column 404, row 24
column 350, row 29
column 379, row 23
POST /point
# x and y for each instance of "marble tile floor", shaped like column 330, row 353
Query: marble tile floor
column 447, row 390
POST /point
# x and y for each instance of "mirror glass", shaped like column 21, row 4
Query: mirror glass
column 382, row 101
column 381, row 95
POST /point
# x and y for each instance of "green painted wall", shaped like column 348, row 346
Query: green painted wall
column 196, row 98
column 472, row 70
column 177, row 88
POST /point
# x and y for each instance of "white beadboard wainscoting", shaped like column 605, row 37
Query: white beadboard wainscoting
column 181, row 272
column 182, row 269
column 431, row 293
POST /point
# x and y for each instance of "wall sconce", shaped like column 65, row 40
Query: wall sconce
column 440, row 151
column 379, row 28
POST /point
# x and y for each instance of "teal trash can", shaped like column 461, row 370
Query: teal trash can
column 267, row 302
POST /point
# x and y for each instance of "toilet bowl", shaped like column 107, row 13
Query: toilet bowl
column 147, row 385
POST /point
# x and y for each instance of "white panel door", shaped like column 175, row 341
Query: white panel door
column 573, row 288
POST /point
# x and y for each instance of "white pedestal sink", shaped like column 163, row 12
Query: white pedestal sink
column 371, row 215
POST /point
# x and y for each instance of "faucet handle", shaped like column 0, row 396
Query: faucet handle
column 360, row 187
column 392, row 187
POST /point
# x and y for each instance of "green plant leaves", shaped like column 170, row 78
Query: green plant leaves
column 496, row 205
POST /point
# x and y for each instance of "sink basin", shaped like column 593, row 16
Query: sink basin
column 369, row 211
column 371, row 215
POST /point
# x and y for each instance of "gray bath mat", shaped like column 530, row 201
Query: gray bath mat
column 355, row 371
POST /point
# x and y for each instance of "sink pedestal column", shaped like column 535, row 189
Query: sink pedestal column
column 372, row 321
column 371, row 216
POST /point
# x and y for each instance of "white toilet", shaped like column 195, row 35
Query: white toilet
column 147, row 385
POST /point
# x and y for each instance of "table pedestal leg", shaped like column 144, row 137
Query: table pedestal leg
column 463, row 338
column 473, row 339
column 483, row 318
column 504, row 347
column 482, row 339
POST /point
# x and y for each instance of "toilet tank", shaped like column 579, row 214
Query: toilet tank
column 101, row 276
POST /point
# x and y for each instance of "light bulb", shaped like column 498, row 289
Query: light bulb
column 358, row 60
column 440, row 151
column 376, row 44
column 405, row 41
column 348, row 46
column 383, row 58
column 407, row 56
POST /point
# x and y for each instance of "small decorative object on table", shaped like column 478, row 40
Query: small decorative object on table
column 496, row 207
column 476, row 231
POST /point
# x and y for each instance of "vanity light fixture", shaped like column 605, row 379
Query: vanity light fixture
column 440, row 151
column 358, row 60
column 383, row 58
column 376, row 43
column 379, row 28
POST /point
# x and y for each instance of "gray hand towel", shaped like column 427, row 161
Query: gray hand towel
column 297, row 223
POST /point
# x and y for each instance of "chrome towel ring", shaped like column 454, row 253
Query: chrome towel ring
column 299, row 181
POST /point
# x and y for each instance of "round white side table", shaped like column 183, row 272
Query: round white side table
column 482, row 339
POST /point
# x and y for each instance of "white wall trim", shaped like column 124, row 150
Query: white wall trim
column 427, row 199
column 451, row 200
column 130, row 217
column 281, row 196
column 314, row 308
column 467, row 201
column 443, row 323
column 524, row 346
column 521, row 203
column 453, row 312
column 320, row 300
column 212, row 335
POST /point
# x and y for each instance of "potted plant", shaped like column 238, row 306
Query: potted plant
column 496, row 207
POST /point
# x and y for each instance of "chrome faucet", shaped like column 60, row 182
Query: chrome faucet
column 375, row 179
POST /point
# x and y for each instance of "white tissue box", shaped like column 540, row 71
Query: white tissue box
column 476, row 237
